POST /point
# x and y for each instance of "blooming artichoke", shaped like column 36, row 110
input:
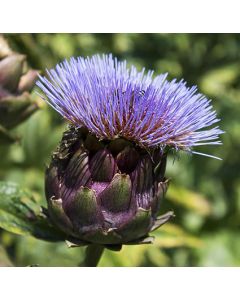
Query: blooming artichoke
column 106, row 180
column 15, row 101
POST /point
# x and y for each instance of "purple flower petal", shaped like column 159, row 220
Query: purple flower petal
column 112, row 100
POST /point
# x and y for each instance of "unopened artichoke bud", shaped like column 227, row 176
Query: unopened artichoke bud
column 106, row 180
column 16, row 109
column 11, row 68
column 16, row 103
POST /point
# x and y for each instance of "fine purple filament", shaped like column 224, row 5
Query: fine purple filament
column 112, row 100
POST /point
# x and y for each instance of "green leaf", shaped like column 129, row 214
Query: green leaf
column 20, row 213
column 174, row 236
column 4, row 259
column 219, row 79
column 189, row 199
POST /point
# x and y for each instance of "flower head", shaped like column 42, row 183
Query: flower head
column 103, row 184
column 112, row 101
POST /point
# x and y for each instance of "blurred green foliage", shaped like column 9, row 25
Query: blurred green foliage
column 204, row 193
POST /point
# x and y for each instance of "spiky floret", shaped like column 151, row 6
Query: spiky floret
column 112, row 100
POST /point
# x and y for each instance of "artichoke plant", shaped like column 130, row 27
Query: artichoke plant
column 16, row 82
column 106, row 180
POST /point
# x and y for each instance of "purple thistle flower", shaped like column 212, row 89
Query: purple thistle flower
column 105, row 184
column 112, row 101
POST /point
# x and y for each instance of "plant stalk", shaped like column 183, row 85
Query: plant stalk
column 92, row 255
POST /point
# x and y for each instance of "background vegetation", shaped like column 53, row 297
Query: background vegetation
column 204, row 192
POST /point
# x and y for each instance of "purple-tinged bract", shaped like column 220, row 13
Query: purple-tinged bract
column 112, row 101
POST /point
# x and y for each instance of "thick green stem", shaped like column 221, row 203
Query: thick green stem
column 92, row 255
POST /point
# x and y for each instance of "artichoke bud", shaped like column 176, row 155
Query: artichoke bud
column 11, row 68
column 16, row 103
column 15, row 109
column 105, row 192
